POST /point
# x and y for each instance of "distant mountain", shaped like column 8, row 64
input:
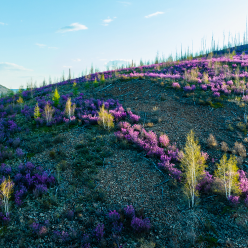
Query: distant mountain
column 3, row 89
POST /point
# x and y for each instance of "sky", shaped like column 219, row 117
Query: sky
column 44, row 38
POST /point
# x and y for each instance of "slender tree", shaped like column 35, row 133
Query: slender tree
column 105, row 119
column 193, row 165
column 227, row 172
column 37, row 111
column 20, row 101
column 6, row 188
column 48, row 113
column 56, row 97
column 69, row 108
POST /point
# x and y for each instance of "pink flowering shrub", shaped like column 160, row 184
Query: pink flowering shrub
column 118, row 113
column 246, row 201
column 176, row 85
column 140, row 225
column 243, row 182
column 124, row 125
column 133, row 117
column 164, row 140
column 234, row 200
column 173, row 171
column 205, row 182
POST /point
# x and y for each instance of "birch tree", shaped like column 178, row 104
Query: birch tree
column 69, row 108
column 48, row 113
column 227, row 172
column 193, row 165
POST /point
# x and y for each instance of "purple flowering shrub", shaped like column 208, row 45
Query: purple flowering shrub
column 19, row 153
column 164, row 140
column 149, row 142
column 243, row 182
column 170, row 167
column 86, row 240
column 205, row 182
column 4, row 220
column 133, row 118
column 176, row 85
column 234, row 200
column 61, row 236
column 30, row 179
column 129, row 211
column 246, row 201
column 137, row 224
column 117, row 227
column 40, row 229
column 113, row 216
column 140, row 225
column 98, row 232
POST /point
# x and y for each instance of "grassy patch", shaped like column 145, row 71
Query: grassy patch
column 212, row 242
column 216, row 105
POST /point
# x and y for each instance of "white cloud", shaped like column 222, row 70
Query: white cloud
column 107, row 21
column 124, row 3
column 67, row 66
column 72, row 27
column 118, row 63
column 103, row 59
column 76, row 60
column 154, row 14
column 40, row 45
column 12, row 67
column 2, row 23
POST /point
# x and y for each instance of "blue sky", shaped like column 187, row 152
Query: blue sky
column 44, row 38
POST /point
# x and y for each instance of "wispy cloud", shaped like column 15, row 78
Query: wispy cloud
column 72, row 27
column 76, row 60
column 154, row 14
column 107, row 21
column 124, row 3
column 117, row 63
column 43, row 45
column 40, row 45
column 67, row 66
column 12, row 67
column 2, row 23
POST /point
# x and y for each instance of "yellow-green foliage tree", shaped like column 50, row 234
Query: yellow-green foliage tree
column 95, row 83
column 6, row 188
column 20, row 90
column 105, row 119
column 75, row 88
column 56, row 97
column 20, row 101
column 48, row 113
column 69, row 108
column 205, row 78
column 227, row 172
column 102, row 80
column 193, row 165
column 37, row 111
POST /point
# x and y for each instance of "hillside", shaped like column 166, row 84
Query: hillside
column 79, row 181
column 3, row 89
